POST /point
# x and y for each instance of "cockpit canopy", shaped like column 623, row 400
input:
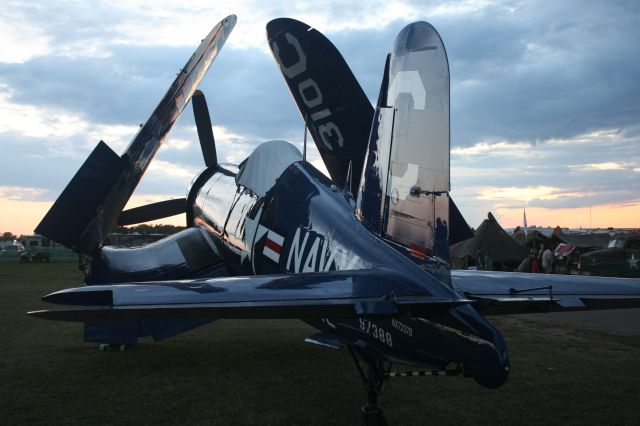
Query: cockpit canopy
column 265, row 164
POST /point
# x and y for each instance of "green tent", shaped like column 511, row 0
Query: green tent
column 489, row 238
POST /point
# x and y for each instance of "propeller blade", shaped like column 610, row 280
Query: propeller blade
column 205, row 132
column 153, row 211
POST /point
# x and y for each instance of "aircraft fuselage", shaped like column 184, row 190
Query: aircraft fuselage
column 306, row 224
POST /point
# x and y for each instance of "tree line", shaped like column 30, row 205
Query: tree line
column 143, row 229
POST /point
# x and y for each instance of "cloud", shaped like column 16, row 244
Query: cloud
column 116, row 90
column 21, row 40
column 176, row 144
column 587, row 169
column 495, row 149
column 542, row 70
column 170, row 169
column 89, row 29
column 20, row 192
column 117, row 136
column 34, row 121
column 584, row 216
column 514, row 194
column 609, row 165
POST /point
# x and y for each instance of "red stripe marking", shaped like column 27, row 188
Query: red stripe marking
column 273, row 245
column 418, row 251
column 418, row 248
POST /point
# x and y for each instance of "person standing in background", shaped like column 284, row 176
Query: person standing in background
column 547, row 260
column 488, row 262
column 479, row 261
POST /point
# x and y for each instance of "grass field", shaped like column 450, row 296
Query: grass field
column 262, row 373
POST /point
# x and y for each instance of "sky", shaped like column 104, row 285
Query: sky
column 545, row 96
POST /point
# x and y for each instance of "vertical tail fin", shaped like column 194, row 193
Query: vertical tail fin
column 404, row 189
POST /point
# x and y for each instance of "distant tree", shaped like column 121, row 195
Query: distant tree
column 120, row 230
column 167, row 229
column 143, row 229
column 146, row 229
column 8, row 236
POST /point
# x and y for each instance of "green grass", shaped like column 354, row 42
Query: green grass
column 261, row 373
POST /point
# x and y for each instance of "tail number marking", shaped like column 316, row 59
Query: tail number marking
column 378, row 333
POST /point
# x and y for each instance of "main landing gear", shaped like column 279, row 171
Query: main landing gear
column 373, row 380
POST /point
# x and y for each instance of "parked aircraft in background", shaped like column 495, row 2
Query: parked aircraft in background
column 361, row 256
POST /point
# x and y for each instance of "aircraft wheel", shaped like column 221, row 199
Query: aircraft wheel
column 373, row 416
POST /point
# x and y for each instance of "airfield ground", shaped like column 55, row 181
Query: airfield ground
column 261, row 373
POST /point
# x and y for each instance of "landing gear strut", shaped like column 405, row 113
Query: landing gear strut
column 373, row 380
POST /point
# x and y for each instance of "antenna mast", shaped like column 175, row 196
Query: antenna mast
column 304, row 148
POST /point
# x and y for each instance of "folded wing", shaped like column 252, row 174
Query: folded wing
column 334, row 106
column 90, row 206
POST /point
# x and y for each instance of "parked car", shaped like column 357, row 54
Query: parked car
column 33, row 256
column 620, row 259
column 12, row 251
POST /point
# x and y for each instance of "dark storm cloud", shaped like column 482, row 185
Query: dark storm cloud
column 544, row 70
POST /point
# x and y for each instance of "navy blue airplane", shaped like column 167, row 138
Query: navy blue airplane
column 361, row 256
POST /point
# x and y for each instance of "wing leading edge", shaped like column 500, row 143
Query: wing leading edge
column 344, row 294
column 501, row 293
